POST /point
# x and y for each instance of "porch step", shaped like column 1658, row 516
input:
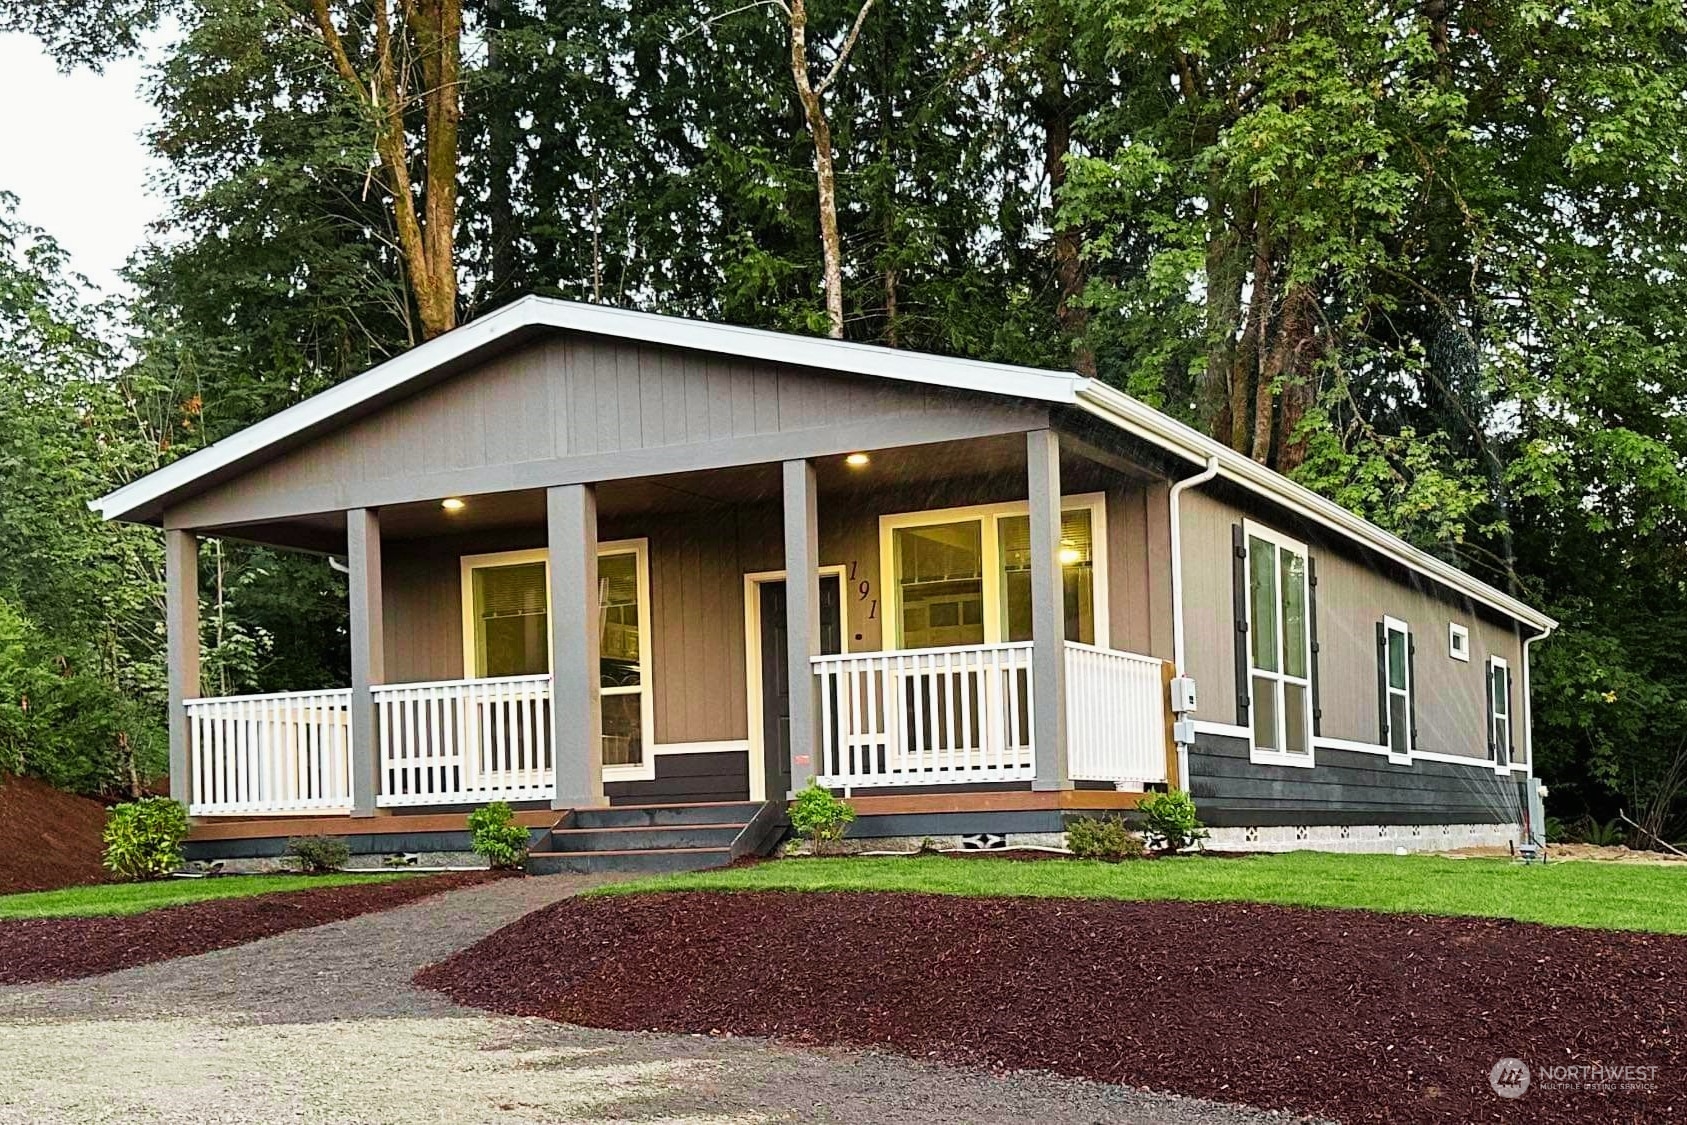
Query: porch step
column 651, row 839
column 644, row 839
column 661, row 816
column 646, row 861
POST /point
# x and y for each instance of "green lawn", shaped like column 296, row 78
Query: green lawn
column 1608, row 896
column 133, row 898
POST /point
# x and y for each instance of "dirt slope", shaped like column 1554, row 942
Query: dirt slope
column 48, row 838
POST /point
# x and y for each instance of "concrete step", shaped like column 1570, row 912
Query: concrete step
column 659, row 816
column 640, row 838
column 646, row 861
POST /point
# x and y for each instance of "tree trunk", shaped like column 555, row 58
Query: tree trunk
column 1069, row 272
column 814, row 111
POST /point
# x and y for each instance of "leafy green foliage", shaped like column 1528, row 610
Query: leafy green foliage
column 143, row 839
column 318, row 855
column 1103, row 837
column 821, row 817
column 494, row 834
column 1169, row 820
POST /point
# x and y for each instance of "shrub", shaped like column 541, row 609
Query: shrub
column 1169, row 820
column 318, row 854
column 820, row 816
column 143, row 839
column 494, row 834
column 1107, row 837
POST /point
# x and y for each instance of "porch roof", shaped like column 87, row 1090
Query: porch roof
column 143, row 500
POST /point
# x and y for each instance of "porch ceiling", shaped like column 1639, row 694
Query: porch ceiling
column 906, row 469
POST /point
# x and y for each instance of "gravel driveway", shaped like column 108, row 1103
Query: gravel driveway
column 323, row 1025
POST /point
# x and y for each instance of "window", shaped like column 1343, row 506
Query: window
column 506, row 632
column 1458, row 641
column 1395, row 676
column 1279, row 649
column 1499, row 710
column 962, row 576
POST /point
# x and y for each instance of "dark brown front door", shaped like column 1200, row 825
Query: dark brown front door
column 775, row 670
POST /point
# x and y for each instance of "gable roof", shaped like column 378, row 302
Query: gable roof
column 524, row 317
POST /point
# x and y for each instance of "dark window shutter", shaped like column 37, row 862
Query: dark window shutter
column 1488, row 694
column 1239, row 602
column 1382, row 681
column 1412, row 686
column 1312, row 630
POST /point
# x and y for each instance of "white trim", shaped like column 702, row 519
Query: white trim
column 644, row 770
column 1280, row 543
column 1395, row 625
column 989, row 517
column 1377, row 748
column 752, row 663
column 1091, row 395
column 1455, row 634
column 1224, row 730
column 1465, row 760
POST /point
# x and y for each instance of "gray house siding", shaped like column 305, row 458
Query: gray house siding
column 1352, row 596
column 1345, row 788
column 575, row 409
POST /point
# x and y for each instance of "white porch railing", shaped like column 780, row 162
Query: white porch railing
column 929, row 717
column 285, row 752
column 465, row 741
column 1115, row 715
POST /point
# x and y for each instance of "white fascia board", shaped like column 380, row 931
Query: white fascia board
column 1138, row 418
column 624, row 324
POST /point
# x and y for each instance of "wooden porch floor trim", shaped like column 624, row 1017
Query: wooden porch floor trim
column 1016, row 801
column 390, row 824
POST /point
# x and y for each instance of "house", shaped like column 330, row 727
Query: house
column 569, row 533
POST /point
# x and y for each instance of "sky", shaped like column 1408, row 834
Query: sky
column 71, row 150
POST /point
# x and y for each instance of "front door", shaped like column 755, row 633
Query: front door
column 775, row 668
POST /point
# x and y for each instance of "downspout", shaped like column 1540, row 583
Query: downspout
column 1178, row 666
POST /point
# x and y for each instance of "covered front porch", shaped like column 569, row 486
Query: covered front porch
column 984, row 616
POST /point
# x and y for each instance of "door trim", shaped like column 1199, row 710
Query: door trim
column 752, row 663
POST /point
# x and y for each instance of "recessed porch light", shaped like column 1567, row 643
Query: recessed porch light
column 856, row 460
column 452, row 504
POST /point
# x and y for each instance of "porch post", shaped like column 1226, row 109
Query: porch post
column 802, row 626
column 1048, row 614
column 576, row 719
column 368, row 653
column 181, row 631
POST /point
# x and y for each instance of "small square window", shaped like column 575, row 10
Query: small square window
column 1458, row 642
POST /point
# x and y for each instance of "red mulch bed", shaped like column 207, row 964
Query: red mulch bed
column 1339, row 1013
column 49, row 949
column 48, row 838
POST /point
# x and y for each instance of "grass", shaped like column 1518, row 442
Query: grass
column 134, row 898
column 1597, row 895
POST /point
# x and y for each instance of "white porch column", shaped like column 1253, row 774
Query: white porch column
column 181, row 631
column 802, row 625
column 1048, row 614
column 576, row 718
column 368, row 653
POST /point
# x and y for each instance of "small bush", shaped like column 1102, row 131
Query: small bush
column 1106, row 837
column 1169, row 820
column 317, row 855
column 143, row 839
column 494, row 834
column 820, row 816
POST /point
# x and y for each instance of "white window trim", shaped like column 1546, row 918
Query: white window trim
column 640, row 549
column 989, row 515
column 1455, row 634
column 1499, row 663
column 1250, row 531
column 1395, row 625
